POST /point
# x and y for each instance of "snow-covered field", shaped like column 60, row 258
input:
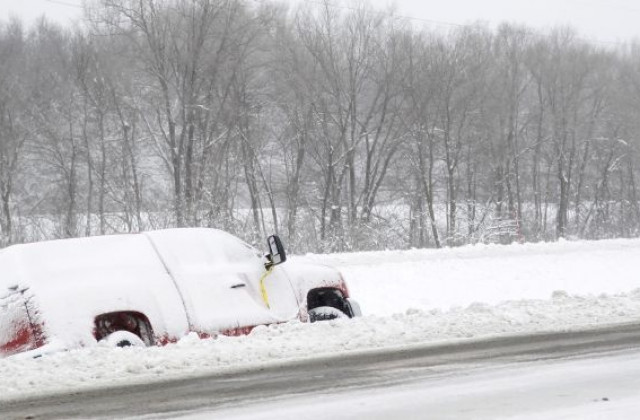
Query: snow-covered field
column 408, row 298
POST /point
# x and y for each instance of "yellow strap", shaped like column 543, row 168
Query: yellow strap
column 263, row 289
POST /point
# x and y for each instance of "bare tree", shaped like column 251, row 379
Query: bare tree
column 13, row 123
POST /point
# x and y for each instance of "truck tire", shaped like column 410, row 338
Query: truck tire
column 123, row 339
column 325, row 313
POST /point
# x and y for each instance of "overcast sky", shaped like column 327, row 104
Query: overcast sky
column 598, row 20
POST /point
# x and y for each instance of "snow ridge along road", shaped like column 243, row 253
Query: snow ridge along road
column 366, row 370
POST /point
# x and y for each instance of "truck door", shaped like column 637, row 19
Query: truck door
column 218, row 277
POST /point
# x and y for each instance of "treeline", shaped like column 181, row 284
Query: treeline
column 339, row 128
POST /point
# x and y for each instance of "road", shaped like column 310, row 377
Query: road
column 368, row 372
column 589, row 387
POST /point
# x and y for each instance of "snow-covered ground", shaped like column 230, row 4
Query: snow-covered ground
column 395, row 281
column 408, row 298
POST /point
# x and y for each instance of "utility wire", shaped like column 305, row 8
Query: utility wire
column 451, row 24
column 395, row 16
column 63, row 3
column 418, row 19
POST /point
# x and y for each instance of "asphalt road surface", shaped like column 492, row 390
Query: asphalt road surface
column 375, row 370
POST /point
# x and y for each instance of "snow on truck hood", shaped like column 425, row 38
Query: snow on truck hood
column 74, row 280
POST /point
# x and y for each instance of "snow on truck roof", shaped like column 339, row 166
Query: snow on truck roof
column 123, row 255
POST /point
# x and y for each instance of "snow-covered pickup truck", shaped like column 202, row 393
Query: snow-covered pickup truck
column 154, row 288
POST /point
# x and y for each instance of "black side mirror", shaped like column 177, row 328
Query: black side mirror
column 276, row 251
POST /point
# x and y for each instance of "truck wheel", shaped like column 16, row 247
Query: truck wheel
column 123, row 339
column 325, row 313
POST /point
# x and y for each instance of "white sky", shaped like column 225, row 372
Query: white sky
column 598, row 20
column 62, row 11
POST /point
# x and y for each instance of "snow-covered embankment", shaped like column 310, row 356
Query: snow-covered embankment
column 408, row 297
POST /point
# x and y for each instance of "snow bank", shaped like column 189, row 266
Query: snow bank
column 101, row 366
column 409, row 298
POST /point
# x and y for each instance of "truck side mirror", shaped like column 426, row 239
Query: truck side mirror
column 276, row 251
